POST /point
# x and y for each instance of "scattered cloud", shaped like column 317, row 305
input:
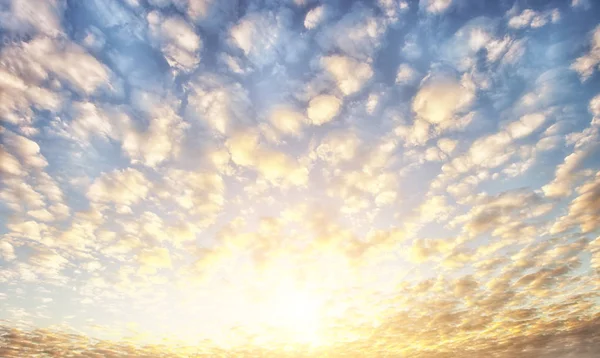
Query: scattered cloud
column 323, row 108
column 295, row 178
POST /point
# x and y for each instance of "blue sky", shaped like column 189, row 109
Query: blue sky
column 369, row 177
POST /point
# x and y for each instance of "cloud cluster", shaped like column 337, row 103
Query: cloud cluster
column 299, row 178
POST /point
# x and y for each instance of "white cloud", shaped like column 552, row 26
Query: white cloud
column 123, row 187
column 338, row 147
column 533, row 19
column 264, row 37
column 198, row 192
column 275, row 166
column 7, row 251
column 440, row 100
column 588, row 63
column 566, row 173
column 19, row 195
column 9, row 164
column 447, row 145
column 435, row 208
column 349, row 74
column 525, row 125
column 210, row 14
column 435, row 6
column 223, row 105
column 26, row 150
column 161, row 139
column 21, row 98
column 315, row 17
column 406, row 74
column 323, row 108
column 287, row 120
column 31, row 17
column 69, row 61
column 177, row 39
column 581, row 4
column 358, row 34
column 584, row 210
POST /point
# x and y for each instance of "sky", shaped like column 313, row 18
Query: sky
column 300, row 178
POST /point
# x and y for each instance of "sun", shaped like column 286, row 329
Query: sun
column 296, row 314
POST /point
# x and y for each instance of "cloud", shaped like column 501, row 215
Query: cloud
column 400, row 163
column 9, row 164
column 26, row 150
column 338, row 147
column 525, row 125
column 19, row 195
column 68, row 61
column 7, row 251
column 209, row 14
column 584, row 210
column 435, row 208
column 154, row 259
column 323, row 109
column 357, row 34
column 581, row 4
column 435, row 6
column 424, row 249
column 406, row 75
column 275, row 166
column 177, row 40
column 122, row 187
column 287, row 120
column 26, row 17
column 159, row 141
column 222, row 104
column 197, row 192
column 350, row 75
column 439, row 100
column 264, row 38
column 587, row 64
column 566, row 174
column 315, row 16
column 533, row 19
column 492, row 213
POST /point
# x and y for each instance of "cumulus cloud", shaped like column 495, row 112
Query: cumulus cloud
column 438, row 101
column 323, row 108
column 177, row 39
column 315, row 16
column 288, row 120
column 350, row 75
column 584, row 210
column 435, row 6
column 264, row 38
column 358, row 34
column 533, row 19
column 275, row 166
column 219, row 102
column 587, row 64
column 124, row 187
column 26, row 17
column 338, row 147
column 566, row 174
column 406, row 74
